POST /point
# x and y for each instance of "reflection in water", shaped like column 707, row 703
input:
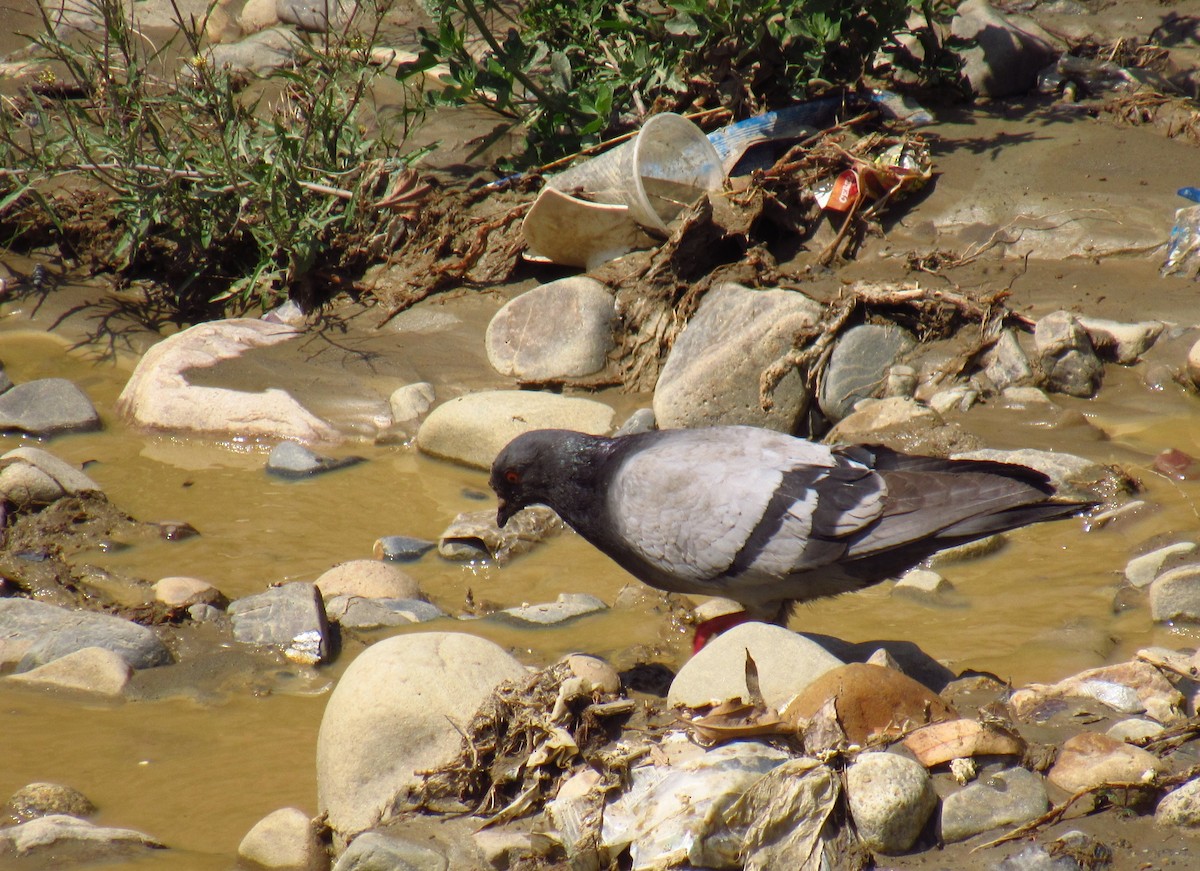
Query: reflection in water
column 199, row 776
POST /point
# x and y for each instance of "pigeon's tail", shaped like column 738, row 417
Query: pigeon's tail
column 1002, row 521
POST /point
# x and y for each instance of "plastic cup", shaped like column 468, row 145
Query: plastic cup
column 657, row 174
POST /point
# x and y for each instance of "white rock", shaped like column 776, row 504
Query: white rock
column 91, row 670
column 1175, row 595
column 1180, row 807
column 370, row 579
column 31, row 476
column 56, row 835
column 922, row 584
column 284, row 840
column 787, row 663
column 1142, row 570
column 891, row 799
column 1122, row 342
column 395, row 712
column 411, row 401
column 158, row 396
column 472, row 429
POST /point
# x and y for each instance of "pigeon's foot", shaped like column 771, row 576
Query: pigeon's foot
column 709, row 629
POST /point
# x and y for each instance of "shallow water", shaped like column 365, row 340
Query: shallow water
column 198, row 776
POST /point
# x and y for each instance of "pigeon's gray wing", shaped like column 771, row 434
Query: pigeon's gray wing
column 739, row 503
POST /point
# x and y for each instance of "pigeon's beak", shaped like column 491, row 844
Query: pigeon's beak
column 504, row 513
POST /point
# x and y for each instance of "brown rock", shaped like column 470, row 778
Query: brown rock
column 871, row 702
column 1090, row 759
column 959, row 739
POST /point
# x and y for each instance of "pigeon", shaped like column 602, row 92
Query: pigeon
column 760, row 517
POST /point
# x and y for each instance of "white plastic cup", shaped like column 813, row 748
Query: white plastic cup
column 657, row 174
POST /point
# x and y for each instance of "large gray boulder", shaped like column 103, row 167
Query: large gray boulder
column 396, row 712
column 46, row 407
column 290, row 617
column 713, row 372
column 53, row 633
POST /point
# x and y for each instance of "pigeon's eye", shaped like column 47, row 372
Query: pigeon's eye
column 512, row 476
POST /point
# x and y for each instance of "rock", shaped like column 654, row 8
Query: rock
column 923, row 585
column 1007, row 798
column 675, row 814
column 290, row 616
column 858, row 365
column 713, row 371
column 566, row 607
column 594, row 672
column 369, row 579
column 1180, row 807
column 879, row 414
column 375, row 851
column 1134, row 729
column 91, row 670
column 871, row 702
column 71, row 842
column 1026, row 397
column 56, row 632
column 474, row 535
column 355, row 612
column 1006, row 364
column 1193, row 364
column 1066, row 355
column 559, row 330
column 1127, row 688
column 31, row 476
column 1142, row 570
column 901, row 381
column 43, row 799
column 390, row 717
column 179, row 592
column 46, row 407
column 910, row 658
column 286, row 840
column 891, row 798
column 1121, row 342
column 314, row 16
column 504, row 849
column 1004, row 54
column 958, row 398
column 786, row 662
column 158, row 396
column 1175, row 595
column 258, row 53
column 1091, row 759
column 641, row 420
column 411, row 401
column 1073, row 477
column 294, row 460
column 1074, row 851
column 473, row 428
column 258, row 15
column 401, row 548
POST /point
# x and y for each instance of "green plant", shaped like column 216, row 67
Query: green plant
column 230, row 193
column 572, row 74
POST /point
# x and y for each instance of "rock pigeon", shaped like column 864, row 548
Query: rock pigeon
column 760, row 517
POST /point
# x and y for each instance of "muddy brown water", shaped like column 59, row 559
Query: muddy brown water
column 198, row 775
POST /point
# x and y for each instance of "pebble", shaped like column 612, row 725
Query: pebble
column 1181, row 807
column 712, row 373
column 1121, row 342
column 1066, row 355
column 411, row 401
column 285, row 839
column 1007, row 366
column 401, row 548
column 181, row 592
column 92, row 670
column 368, row 579
column 891, row 798
column 958, row 398
column 48, row 406
column 641, row 420
column 1091, row 759
column 474, row 535
column 290, row 617
column 1134, row 729
column 395, row 712
column 786, row 663
column 1127, row 688
column 566, row 607
column 1142, row 570
column 1175, row 596
column 562, row 329
column 923, row 585
column 1006, row 798
column 43, row 799
column 293, row 460
column 1024, row 397
column 472, row 429
column 374, row 850
column 857, row 366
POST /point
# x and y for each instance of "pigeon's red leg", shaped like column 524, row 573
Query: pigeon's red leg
column 709, row 629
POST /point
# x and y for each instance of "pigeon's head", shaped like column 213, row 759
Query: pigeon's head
column 541, row 467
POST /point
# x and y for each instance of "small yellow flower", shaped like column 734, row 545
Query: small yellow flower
column 47, row 77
